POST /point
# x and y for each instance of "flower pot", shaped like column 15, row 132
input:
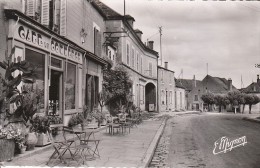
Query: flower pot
column 31, row 141
column 43, row 140
column 7, row 147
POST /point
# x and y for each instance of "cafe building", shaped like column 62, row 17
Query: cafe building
column 63, row 67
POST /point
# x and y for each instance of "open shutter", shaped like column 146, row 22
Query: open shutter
column 63, row 21
column 30, row 8
column 45, row 9
column 99, row 44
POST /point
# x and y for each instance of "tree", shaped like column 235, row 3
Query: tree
column 208, row 98
column 221, row 100
column 117, row 84
column 251, row 99
column 236, row 98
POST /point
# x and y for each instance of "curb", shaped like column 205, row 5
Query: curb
column 150, row 151
column 251, row 119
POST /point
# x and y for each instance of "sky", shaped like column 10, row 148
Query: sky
column 225, row 35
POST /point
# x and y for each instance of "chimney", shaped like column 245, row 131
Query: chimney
column 258, row 79
column 139, row 33
column 150, row 44
column 229, row 84
column 166, row 65
column 194, row 82
column 130, row 20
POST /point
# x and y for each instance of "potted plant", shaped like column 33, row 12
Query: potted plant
column 9, row 135
column 76, row 121
column 40, row 125
column 20, row 107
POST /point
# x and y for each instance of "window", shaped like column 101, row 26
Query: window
column 56, row 63
column 50, row 13
column 80, row 88
column 70, row 87
column 170, row 95
column 141, row 94
column 37, row 59
column 127, row 54
column 180, row 99
column 97, row 42
column 162, row 97
column 141, row 63
column 162, row 77
column 133, row 58
column 150, row 69
column 196, row 98
column 137, row 61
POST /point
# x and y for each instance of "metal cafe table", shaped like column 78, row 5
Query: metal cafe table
column 87, row 142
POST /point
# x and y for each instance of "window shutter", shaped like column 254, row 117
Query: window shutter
column 150, row 69
column 45, row 12
column 99, row 49
column 63, row 17
column 30, row 8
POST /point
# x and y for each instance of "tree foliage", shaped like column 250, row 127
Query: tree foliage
column 117, row 86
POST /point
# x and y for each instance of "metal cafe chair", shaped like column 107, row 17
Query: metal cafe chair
column 83, row 150
column 60, row 145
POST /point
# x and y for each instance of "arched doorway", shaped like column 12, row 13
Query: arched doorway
column 150, row 97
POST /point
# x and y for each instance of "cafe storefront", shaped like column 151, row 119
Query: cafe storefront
column 63, row 68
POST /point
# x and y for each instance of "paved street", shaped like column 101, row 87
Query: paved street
column 192, row 140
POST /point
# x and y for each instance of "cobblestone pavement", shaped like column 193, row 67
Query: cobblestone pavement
column 162, row 149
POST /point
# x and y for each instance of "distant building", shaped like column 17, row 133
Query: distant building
column 195, row 89
column 180, row 97
column 253, row 88
column 166, row 89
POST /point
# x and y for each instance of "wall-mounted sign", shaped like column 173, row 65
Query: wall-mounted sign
column 37, row 39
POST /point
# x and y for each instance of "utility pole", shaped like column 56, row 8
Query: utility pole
column 124, row 8
column 160, row 31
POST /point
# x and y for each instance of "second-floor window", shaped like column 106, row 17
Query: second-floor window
column 127, row 54
column 196, row 98
column 150, row 69
column 97, row 41
column 137, row 61
column 141, row 64
column 133, row 58
column 50, row 13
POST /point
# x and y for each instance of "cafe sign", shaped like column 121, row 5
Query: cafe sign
column 36, row 39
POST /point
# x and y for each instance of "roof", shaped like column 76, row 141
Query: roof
column 252, row 88
column 210, row 83
column 188, row 83
column 216, row 84
column 178, row 84
column 165, row 69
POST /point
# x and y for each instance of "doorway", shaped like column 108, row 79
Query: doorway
column 55, row 93
column 150, row 97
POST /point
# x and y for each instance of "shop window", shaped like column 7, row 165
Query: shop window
column 70, row 87
column 38, row 60
column 56, row 63
column 80, row 88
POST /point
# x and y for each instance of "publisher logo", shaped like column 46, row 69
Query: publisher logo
column 225, row 144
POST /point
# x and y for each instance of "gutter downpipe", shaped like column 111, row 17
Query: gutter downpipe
column 157, row 89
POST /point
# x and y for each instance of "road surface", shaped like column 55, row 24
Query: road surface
column 192, row 138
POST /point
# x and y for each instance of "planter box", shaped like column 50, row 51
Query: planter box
column 43, row 140
column 7, row 147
